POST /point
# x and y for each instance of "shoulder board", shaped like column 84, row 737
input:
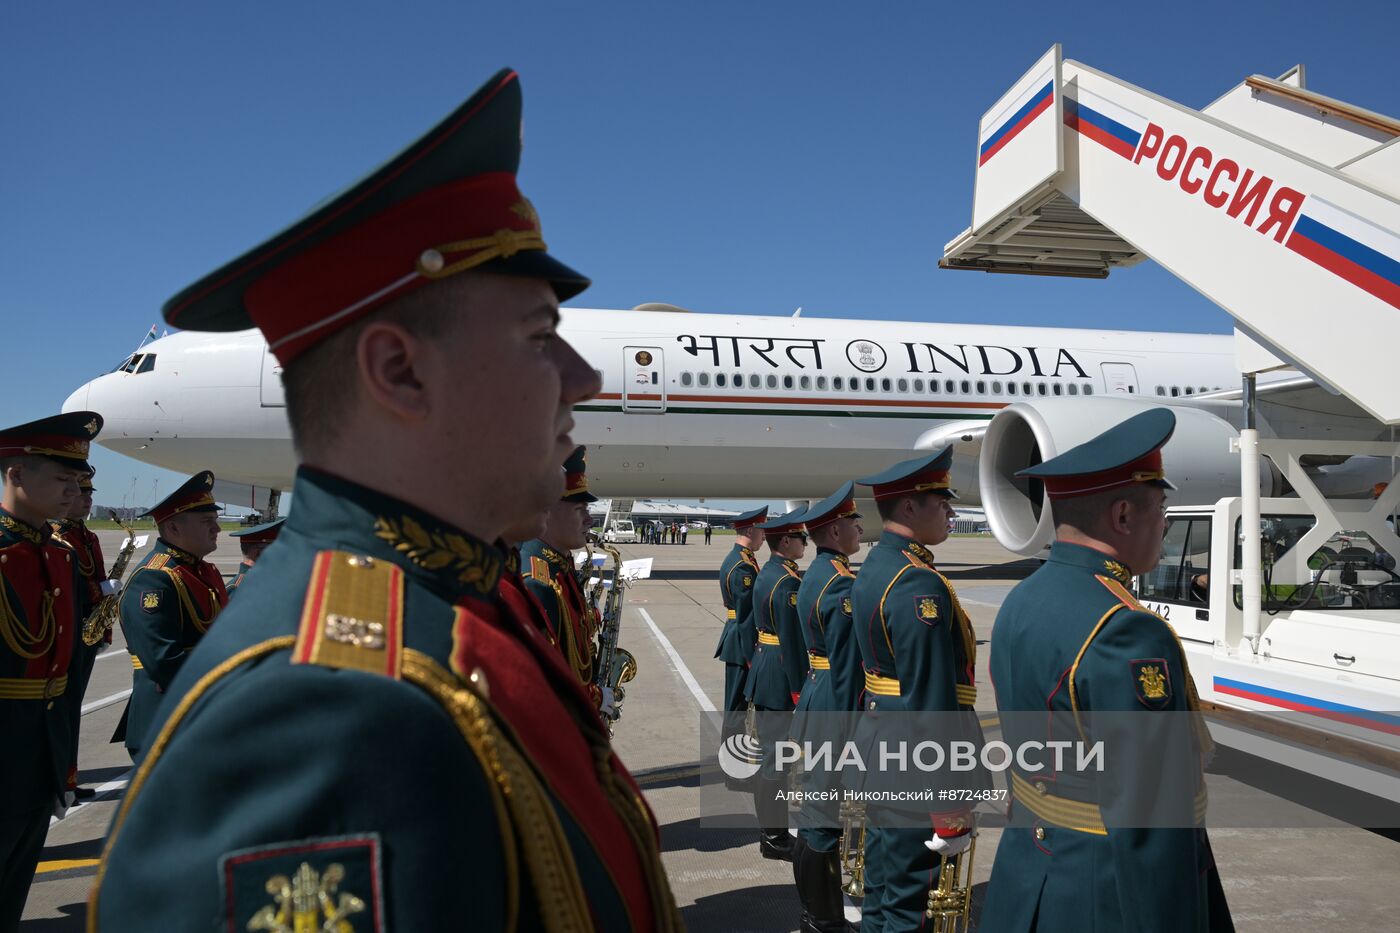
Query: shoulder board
column 157, row 562
column 842, row 569
column 539, row 569
column 1120, row 593
column 59, row 540
column 915, row 559
column 352, row 618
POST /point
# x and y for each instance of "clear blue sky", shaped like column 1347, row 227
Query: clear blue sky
column 741, row 157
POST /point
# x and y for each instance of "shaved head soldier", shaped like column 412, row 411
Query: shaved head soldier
column 374, row 664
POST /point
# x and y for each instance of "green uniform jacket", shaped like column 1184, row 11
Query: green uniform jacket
column 824, row 613
column 1071, row 629
column 170, row 601
column 367, row 742
column 778, row 671
column 36, row 649
column 736, row 579
column 238, row 578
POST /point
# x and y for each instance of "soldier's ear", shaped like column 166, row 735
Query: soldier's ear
column 389, row 360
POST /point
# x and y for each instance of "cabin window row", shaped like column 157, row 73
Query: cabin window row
column 1178, row 391
column 885, row 384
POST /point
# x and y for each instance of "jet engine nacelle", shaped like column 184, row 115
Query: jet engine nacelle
column 1197, row 459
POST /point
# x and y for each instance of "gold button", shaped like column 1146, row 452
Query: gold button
column 478, row 680
column 1040, row 788
column 4, row 558
column 1040, row 834
column 872, row 704
column 51, row 704
column 57, row 591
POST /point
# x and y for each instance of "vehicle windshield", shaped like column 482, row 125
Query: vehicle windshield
column 1349, row 571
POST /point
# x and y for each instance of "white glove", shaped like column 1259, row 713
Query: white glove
column 609, row 705
column 109, row 587
column 949, row 846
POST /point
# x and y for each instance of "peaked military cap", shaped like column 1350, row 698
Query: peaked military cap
column 840, row 504
column 1124, row 455
column 63, row 438
column 195, row 495
column 930, row 473
column 750, row 518
column 85, row 481
column 791, row 523
column 447, row 203
column 265, row 533
column 576, row 477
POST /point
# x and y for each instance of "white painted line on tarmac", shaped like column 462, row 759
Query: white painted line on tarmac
column 101, row 792
column 677, row 664
column 106, row 701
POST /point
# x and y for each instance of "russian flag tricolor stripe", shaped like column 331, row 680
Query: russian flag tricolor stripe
column 1338, row 712
column 1031, row 105
column 1106, row 123
column 1365, row 255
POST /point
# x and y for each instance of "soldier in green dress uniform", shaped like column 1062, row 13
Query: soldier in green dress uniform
column 170, row 600
column 824, row 614
column 778, row 671
column 369, row 739
column 41, row 464
column 547, row 566
column 1071, row 639
column 252, row 542
column 918, row 651
column 736, row 640
column 73, row 531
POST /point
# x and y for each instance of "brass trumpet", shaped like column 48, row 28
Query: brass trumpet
column 853, row 848
column 950, row 900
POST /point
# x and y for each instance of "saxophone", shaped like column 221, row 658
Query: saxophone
column 616, row 666
column 107, row 611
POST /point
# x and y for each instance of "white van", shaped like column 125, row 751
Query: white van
column 620, row 532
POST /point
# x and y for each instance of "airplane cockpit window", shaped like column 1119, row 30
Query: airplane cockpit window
column 137, row 363
column 148, row 363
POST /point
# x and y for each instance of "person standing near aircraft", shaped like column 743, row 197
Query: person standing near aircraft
column 252, row 542
column 1071, row 639
column 41, row 463
column 736, row 639
column 73, row 531
column 824, row 613
column 709, row 528
column 918, row 650
column 374, row 663
column 552, row 580
column 776, row 675
column 171, row 599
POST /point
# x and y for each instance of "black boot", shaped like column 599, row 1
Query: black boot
column 774, row 842
column 818, row 877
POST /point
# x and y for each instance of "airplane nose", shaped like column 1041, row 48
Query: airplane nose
column 78, row 401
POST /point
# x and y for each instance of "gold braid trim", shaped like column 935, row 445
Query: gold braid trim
column 18, row 638
column 637, row 819
column 201, row 624
column 536, row 826
column 167, row 731
column 969, row 637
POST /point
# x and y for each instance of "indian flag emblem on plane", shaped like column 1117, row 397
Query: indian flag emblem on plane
column 1015, row 117
column 1103, row 121
column 1364, row 254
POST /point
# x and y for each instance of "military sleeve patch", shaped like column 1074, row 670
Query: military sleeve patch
column 150, row 600
column 846, row 605
column 926, row 609
column 330, row 883
column 792, row 599
column 1151, row 681
column 748, row 582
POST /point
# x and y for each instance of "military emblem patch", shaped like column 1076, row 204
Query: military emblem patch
column 748, row 581
column 792, row 599
column 926, row 609
column 846, row 605
column 1151, row 682
column 150, row 600
column 325, row 885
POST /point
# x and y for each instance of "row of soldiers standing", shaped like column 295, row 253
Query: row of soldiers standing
column 892, row 637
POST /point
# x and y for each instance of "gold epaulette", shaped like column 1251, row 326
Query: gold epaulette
column 539, row 569
column 842, row 569
column 353, row 615
column 1120, row 592
column 157, row 562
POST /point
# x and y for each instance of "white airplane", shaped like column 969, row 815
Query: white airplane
column 744, row 407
